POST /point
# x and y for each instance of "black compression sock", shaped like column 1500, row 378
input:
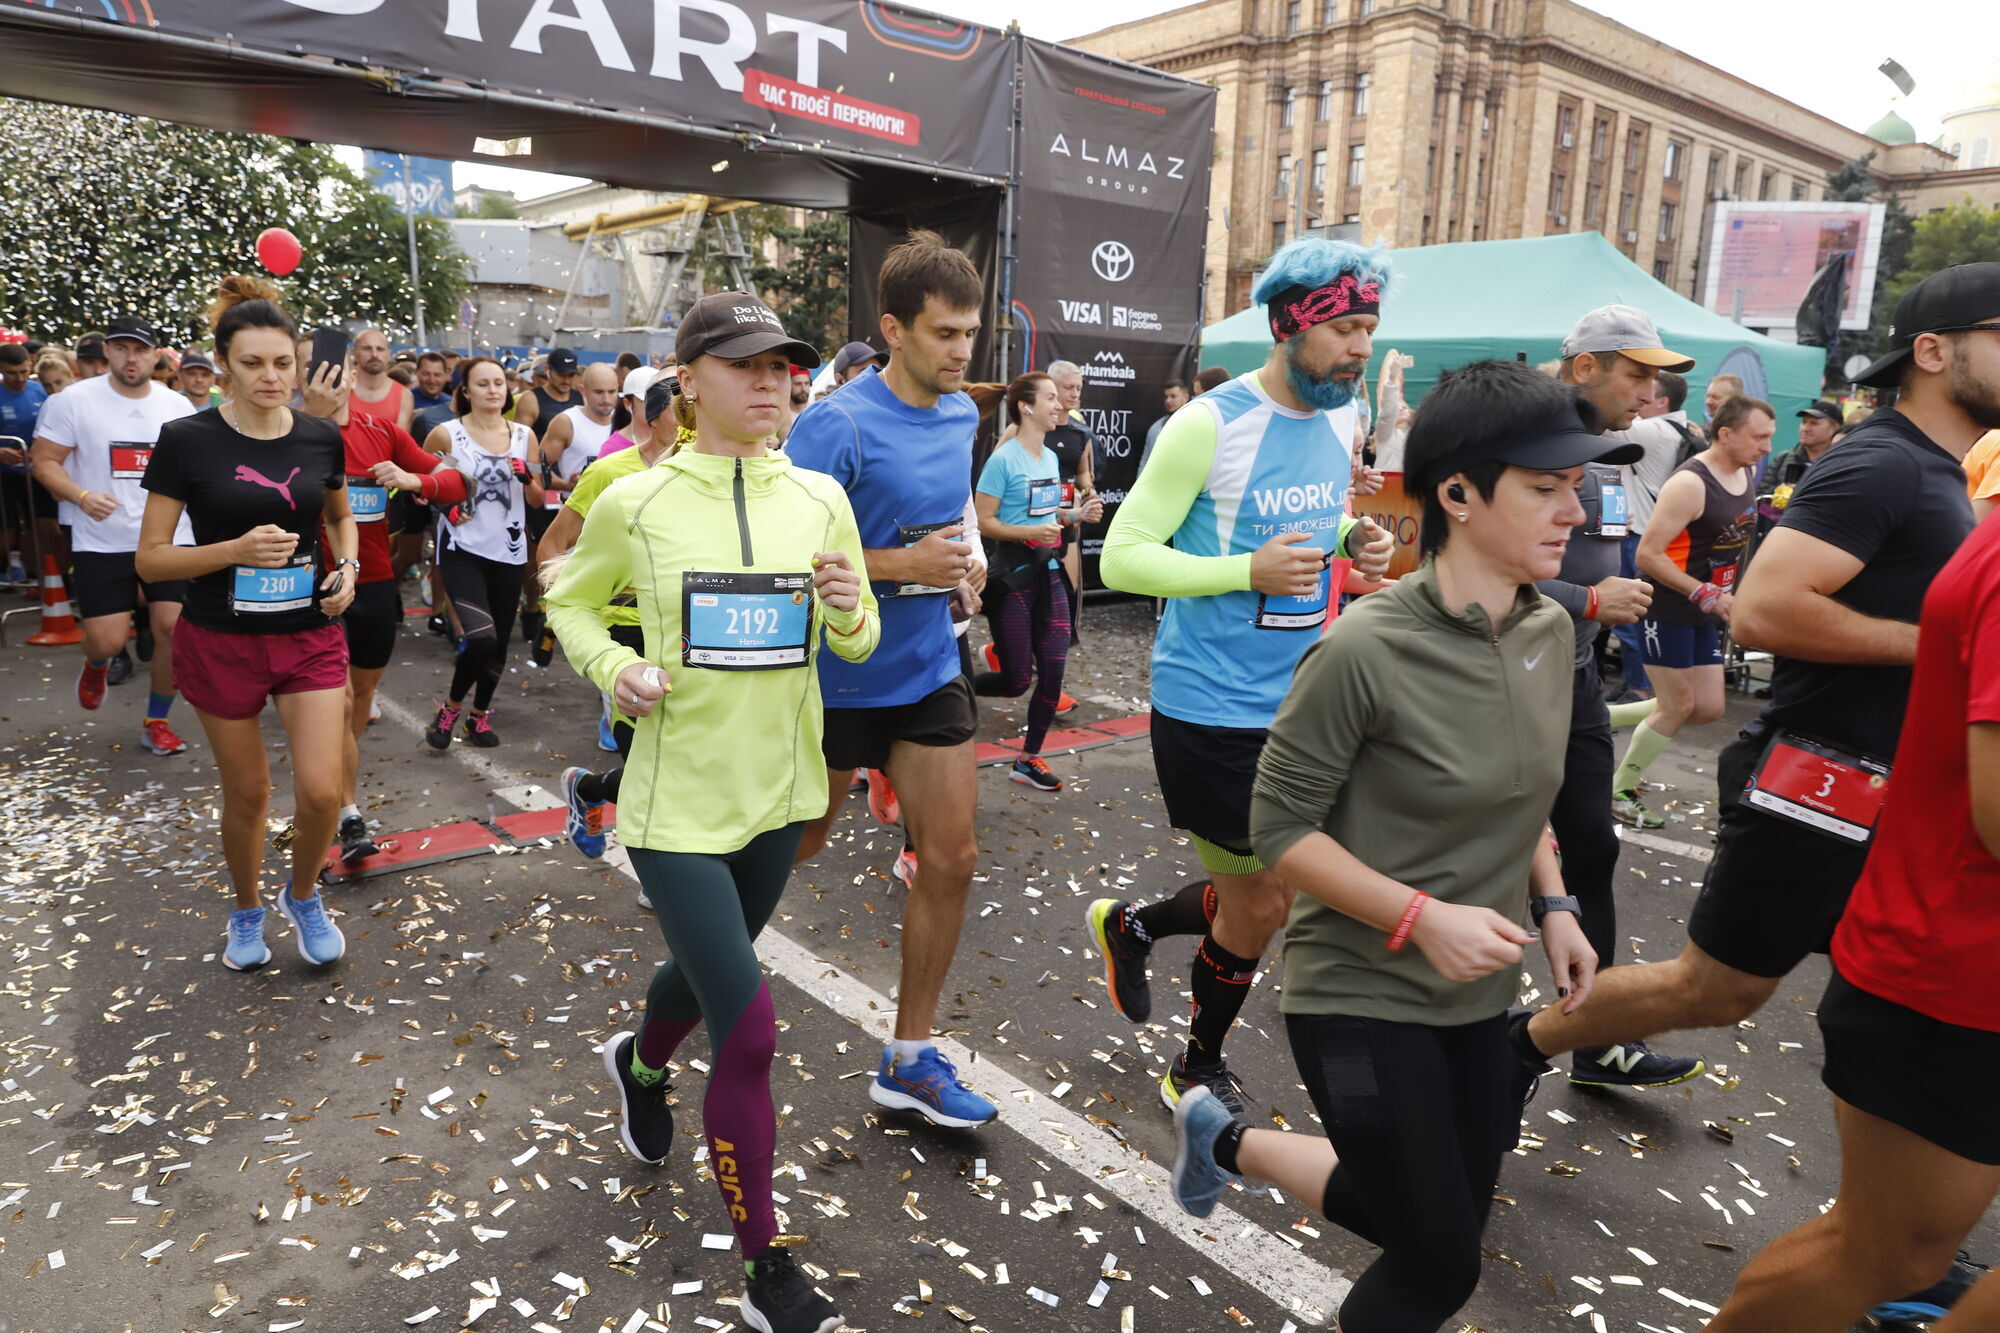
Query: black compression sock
column 1187, row 912
column 1226, row 1144
column 599, row 786
column 1221, row 982
column 1524, row 1044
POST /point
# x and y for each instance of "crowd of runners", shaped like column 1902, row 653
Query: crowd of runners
column 1415, row 778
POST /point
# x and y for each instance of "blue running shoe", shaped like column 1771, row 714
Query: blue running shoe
column 1199, row 1119
column 320, row 941
column 1936, row 1300
column 932, row 1088
column 585, row 825
column 247, row 950
column 607, row 740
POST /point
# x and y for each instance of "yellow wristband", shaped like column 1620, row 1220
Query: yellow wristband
column 81, row 497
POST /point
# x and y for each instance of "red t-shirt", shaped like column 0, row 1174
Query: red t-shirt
column 387, row 410
column 1922, row 928
column 368, row 441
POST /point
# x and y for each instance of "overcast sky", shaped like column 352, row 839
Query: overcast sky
column 1821, row 54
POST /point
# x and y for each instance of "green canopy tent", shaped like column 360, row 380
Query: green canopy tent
column 1451, row 304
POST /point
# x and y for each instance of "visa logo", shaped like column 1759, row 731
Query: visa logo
column 1082, row 312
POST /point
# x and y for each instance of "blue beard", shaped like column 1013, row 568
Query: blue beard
column 1321, row 394
column 1318, row 394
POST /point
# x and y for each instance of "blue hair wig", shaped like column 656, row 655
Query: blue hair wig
column 1313, row 262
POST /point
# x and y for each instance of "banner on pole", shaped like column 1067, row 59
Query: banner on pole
column 429, row 182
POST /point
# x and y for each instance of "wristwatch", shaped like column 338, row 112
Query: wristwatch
column 1541, row 907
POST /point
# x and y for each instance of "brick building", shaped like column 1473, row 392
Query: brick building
column 1423, row 121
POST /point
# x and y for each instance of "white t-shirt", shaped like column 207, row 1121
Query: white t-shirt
column 586, row 439
column 497, row 526
column 111, row 438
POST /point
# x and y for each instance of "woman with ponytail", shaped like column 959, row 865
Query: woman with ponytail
column 258, row 481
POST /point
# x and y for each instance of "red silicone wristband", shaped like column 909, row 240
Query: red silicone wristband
column 1401, row 935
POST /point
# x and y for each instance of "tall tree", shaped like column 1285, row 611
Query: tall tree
column 809, row 288
column 150, row 214
column 1965, row 233
column 1855, row 182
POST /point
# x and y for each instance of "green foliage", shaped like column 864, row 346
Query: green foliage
column 810, row 291
column 495, row 208
column 120, row 214
column 1854, row 182
column 1965, row 233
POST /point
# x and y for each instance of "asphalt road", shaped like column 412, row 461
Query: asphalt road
column 423, row 1135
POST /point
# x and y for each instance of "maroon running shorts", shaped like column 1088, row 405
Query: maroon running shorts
column 230, row 675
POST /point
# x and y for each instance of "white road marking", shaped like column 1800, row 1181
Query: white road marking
column 1279, row 1272
column 1653, row 842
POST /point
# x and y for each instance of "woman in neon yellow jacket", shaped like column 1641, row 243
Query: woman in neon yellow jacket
column 742, row 566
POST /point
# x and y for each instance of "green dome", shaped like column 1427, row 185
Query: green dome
column 1892, row 129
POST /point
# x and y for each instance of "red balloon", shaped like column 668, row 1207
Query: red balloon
column 279, row 250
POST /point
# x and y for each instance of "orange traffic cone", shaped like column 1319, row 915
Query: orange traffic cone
column 58, row 623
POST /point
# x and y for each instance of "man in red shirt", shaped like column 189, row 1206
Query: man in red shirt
column 1911, row 1018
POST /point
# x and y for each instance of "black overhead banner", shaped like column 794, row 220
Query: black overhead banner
column 1111, row 213
column 866, row 77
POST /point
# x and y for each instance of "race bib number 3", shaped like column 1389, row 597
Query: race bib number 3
column 1822, row 787
column 745, row 622
column 909, row 535
column 128, row 461
column 369, row 501
column 256, row 591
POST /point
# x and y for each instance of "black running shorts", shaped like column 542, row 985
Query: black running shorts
column 371, row 622
column 863, row 737
column 1938, row 1080
column 107, row 582
column 1205, row 775
column 1775, row 889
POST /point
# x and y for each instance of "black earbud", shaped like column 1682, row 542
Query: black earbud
column 1456, row 492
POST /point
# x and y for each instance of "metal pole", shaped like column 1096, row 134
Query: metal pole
column 416, row 276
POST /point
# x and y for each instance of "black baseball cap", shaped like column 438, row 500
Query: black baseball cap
column 733, row 325
column 1951, row 298
column 130, row 326
column 196, row 361
column 1560, row 432
column 1824, row 409
column 562, row 361
column 90, row 347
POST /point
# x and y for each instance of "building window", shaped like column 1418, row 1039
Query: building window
column 1600, row 139
column 1364, row 9
column 1661, row 268
column 1277, row 234
column 1635, row 149
column 1667, row 212
column 1294, row 13
column 1565, row 128
column 1319, row 171
column 1558, row 188
column 1625, row 204
column 1981, row 149
column 1593, row 205
column 1798, row 189
column 1764, row 184
column 1361, row 82
column 1285, row 177
column 1676, row 159
column 1357, row 157
column 1324, row 111
column 1331, row 12
column 1714, row 173
column 1351, row 217
column 1431, row 168
column 1287, row 108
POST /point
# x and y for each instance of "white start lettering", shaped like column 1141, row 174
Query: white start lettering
column 1112, row 428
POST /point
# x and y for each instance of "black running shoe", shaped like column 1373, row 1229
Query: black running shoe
column 355, row 844
column 645, row 1120
column 781, row 1300
column 1218, row 1078
column 437, row 626
column 1936, row 1300
column 531, row 626
column 1124, row 955
column 544, row 651
column 1531, row 1070
column 1631, row 1064
column 120, row 670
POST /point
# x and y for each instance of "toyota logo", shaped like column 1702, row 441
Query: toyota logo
column 1112, row 260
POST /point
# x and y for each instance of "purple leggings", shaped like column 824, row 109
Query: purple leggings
column 1026, row 656
column 711, row 909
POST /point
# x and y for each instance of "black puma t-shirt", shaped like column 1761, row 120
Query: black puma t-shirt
column 230, row 484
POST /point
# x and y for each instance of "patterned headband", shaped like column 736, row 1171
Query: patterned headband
column 1297, row 308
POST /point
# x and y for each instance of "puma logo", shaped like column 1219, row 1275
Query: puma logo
column 1532, row 662
column 284, row 488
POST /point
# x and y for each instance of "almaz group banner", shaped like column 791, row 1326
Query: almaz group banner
column 865, row 77
column 1111, row 214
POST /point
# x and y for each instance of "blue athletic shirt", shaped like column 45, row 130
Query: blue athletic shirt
column 902, row 467
column 18, row 412
column 1230, row 471
column 1029, row 489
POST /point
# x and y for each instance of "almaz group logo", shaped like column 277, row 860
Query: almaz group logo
column 1117, row 166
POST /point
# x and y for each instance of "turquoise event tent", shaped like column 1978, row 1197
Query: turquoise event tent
column 1450, row 304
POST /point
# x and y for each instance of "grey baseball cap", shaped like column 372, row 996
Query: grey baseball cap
column 1625, row 329
column 854, row 354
